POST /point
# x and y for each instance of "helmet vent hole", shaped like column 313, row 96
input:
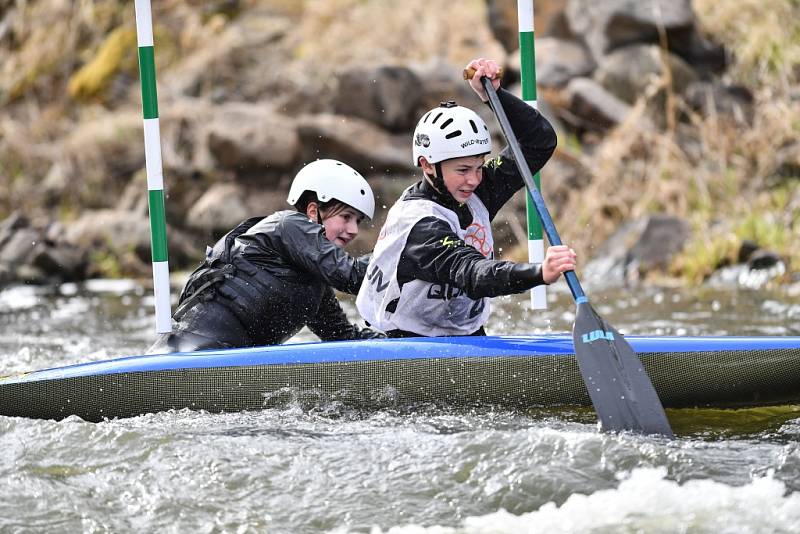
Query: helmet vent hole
column 436, row 118
column 474, row 128
column 453, row 134
column 425, row 118
column 485, row 127
column 445, row 124
column 362, row 192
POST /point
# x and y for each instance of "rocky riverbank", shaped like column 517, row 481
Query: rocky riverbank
column 676, row 149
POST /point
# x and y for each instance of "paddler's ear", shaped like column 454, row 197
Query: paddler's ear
column 427, row 168
column 312, row 211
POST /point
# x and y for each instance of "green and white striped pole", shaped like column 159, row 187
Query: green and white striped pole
column 155, row 176
column 527, row 56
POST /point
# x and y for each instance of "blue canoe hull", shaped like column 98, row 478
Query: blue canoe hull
column 511, row 371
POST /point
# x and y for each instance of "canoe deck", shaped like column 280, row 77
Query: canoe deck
column 514, row 372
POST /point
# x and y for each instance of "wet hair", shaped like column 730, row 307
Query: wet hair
column 326, row 209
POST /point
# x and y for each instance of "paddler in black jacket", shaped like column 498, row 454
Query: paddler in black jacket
column 271, row 276
column 433, row 269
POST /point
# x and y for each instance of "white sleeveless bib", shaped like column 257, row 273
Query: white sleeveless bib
column 422, row 307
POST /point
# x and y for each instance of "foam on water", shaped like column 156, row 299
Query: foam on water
column 19, row 298
column 646, row 501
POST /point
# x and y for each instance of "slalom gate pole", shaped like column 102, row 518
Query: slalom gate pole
column 155, row 176
column 528, row 75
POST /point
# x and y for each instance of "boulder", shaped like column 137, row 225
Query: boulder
column 443, row 81
column 357, row 142
column 97, row 157
column 628, row 72
column 610, row 24
column 20, row 247
column 124, row 236
column 10, row 225
column 388, row 96
column 29, row 254
column 62, row 262
column 638, row 248
column 248, row 137
column 219, row 209
column 594, row 108
column 116, row 231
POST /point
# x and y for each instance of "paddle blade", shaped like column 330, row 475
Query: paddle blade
column 621, row 392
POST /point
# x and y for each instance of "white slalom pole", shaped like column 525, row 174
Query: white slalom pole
column 528, row 74
column 155, row 176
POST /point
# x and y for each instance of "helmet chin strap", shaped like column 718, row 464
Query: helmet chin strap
column 437, row 180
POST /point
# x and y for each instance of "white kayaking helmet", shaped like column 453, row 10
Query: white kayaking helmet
column 450, row 131
column 333, row 180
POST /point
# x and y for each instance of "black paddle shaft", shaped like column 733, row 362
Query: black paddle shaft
column 527, row 176
column 621, row 392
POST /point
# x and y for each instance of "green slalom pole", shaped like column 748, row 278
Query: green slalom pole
column 155, row 175
column 528, row 75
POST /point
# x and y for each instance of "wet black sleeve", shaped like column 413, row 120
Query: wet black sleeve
column 330, row 322
column 309, row 249
column 434, row 253
column 537, row 139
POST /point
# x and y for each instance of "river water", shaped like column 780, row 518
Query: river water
column 325, row 468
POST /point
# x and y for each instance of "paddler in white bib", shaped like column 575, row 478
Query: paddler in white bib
column 433, row 270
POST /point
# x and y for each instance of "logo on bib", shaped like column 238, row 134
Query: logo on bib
column 477, row 236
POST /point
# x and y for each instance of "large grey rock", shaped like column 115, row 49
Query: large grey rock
column 763, row 268
column 62, row 262
column 125, row 236
column 96, row 153
column 388, row 96
column 30, row 254
column 610, row 24
column 221, row 208
column 111, row 230
column 10, row 225
column 247, row 137
column 443, row 81
column 359, row 143
column 594, row 108
column 638, row 248
column 183, row 147
column 21, row 246
column 628, row 72
column 561, row 61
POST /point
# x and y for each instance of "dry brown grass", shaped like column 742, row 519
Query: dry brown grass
column 762, row 35
column 336, row 32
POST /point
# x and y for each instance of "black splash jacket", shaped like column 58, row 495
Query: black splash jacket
column 429, row 253
column 261, row 283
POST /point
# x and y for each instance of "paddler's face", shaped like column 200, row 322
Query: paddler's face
column 461, row 175
column 341, row 227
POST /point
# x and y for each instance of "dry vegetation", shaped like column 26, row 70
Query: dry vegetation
column 729, row 179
